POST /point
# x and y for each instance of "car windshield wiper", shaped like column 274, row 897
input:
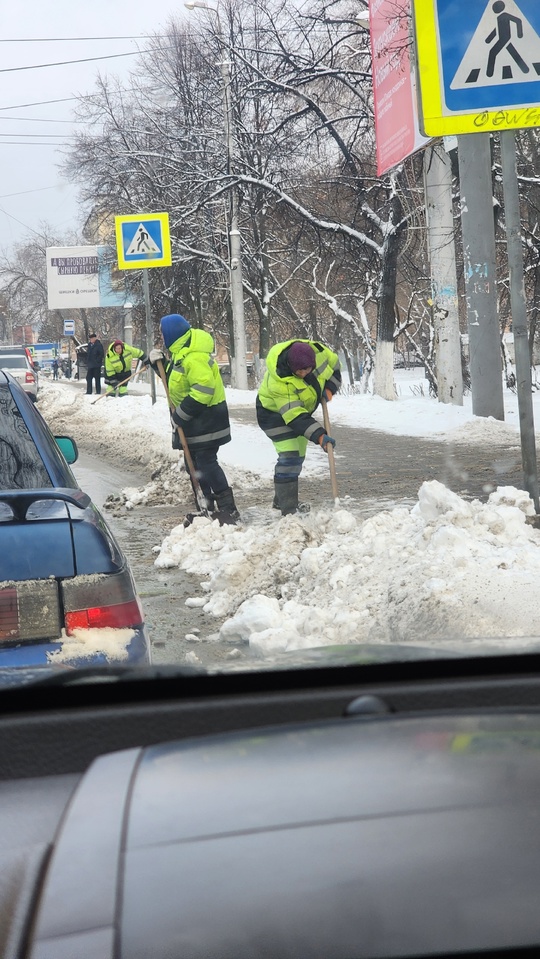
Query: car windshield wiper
column 109, row 674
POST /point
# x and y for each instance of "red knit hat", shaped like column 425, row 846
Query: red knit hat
column 301, row 356
column 118, row 343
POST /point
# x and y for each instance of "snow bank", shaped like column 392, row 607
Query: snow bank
column 445, row 569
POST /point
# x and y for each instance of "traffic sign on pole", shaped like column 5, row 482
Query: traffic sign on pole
column 478, row 65
column 143, row 240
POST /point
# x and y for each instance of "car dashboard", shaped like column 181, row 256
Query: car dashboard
column 326, row 812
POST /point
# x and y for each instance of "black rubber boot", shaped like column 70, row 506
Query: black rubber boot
column 287, row 497
column 225, row 503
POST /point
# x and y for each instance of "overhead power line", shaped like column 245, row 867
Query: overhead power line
column 63, row 63
column 40, row 189
column 140, row 36
column 43, row 103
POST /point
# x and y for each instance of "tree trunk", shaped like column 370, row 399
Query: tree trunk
column 384, row 359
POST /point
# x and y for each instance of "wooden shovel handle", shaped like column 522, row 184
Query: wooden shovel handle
column 109, row 392
column 190, row 464
column 329, row 448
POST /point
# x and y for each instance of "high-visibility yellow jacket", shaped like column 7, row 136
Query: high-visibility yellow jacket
column 196, row 390
column 120, row 363
column 285, row 401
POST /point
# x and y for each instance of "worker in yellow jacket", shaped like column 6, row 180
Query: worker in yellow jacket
column 118, row 363
column 196, row 390
column 298, row 374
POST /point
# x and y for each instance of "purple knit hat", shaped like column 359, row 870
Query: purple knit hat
column 301, row 356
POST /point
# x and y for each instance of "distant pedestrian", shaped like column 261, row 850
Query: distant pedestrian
column 94, row 362
column 55, row 369
column 118, row 361
column 298, row 374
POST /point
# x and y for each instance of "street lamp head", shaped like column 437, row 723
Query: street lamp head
column 192, row 4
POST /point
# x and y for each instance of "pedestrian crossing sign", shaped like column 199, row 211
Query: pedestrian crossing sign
column 478, row 65
column 143, row 240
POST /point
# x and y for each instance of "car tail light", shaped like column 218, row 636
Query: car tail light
column 29, row 611
column 101, row 601
column 98, row 617
column 29, row 378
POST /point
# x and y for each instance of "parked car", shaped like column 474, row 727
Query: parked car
column 66, row 590
column 18, row 361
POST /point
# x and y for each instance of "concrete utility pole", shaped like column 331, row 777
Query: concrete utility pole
column 239, row 377
column 512, row 219
column 442, row 256
column 239, row 368
column 480, row 274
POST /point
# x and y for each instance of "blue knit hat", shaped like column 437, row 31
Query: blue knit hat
column 173, row 327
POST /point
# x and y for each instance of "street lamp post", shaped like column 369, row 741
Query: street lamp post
column 239, row 377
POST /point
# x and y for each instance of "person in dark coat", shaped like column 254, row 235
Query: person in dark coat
column 94, row 362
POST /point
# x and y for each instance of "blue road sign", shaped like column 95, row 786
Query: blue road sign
column 478, row 57
column 143, row 240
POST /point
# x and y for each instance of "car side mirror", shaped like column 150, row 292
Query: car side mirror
column 68, row 448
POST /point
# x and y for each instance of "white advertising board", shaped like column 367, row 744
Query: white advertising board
column 72, row 277
column 83, row 276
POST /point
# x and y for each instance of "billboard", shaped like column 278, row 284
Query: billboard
column 84, row 277
column 397, row 131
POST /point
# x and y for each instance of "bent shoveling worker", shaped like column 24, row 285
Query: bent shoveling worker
column 199, row 407
column 299, row 373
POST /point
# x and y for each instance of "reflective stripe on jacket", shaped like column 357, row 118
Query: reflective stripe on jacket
column 197, row 392
column 285, row 401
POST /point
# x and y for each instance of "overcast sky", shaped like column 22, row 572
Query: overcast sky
column 31, row 188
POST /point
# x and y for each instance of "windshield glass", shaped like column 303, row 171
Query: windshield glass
column 305, row 393
column 13, row 362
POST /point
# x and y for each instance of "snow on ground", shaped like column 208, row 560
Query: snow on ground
column 445, row 569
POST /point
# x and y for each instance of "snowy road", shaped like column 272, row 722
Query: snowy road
column 163, row 593
column 454, row 566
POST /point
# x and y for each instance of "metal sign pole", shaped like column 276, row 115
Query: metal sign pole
column 149, row 331
column 519, row 315
column 479, row 259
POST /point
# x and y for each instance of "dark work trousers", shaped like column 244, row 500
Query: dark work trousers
column 211, row 477
column 93, row 375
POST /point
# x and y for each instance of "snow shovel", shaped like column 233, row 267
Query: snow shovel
column 330, row 451
column 110, row 392
column 222, row 517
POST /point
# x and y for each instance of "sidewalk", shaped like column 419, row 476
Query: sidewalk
column 375, row 467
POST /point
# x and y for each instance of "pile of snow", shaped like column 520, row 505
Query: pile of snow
column 445, row 569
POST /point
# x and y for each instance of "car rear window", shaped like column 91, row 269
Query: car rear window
column 21, row 466
column 13, row 362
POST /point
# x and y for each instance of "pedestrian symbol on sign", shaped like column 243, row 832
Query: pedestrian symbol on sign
column 504, row 48
column 142, row 242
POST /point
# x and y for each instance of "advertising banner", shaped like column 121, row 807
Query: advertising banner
column 397, row 129
column 83, row 276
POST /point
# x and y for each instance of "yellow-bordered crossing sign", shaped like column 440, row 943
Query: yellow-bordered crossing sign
column 478, row 65
column 143, row 240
